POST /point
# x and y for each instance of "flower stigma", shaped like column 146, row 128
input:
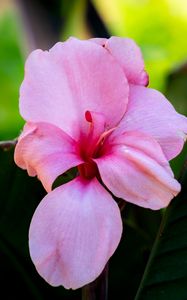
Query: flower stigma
column 91, row 147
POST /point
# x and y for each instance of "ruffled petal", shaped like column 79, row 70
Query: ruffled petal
column 135, row 169
column 128, row 55
column 46, row 151
column 151, row 113
column 73, row 233
column 73, row 77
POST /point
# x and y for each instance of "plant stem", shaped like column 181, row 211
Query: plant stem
column 98, row 289
column 6, row 145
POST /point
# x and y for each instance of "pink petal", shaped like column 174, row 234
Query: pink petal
column 46, row 151
column 99, row 41
column 151, row 113
column 73, row 233
column 73, row 77
column 141, row 141
column 136, row 170
column 128, row 55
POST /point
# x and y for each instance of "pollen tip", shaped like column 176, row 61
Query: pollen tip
column 88, row 116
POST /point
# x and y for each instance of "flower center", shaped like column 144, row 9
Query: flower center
column 88, row 170
column 91, row 144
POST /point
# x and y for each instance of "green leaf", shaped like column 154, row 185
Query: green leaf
column 165, row 276
column 127, row 265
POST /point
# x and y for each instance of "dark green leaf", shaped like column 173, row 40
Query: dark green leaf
column 128, row 262
column 165, row 276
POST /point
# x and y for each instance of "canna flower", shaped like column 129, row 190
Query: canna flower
column 86, row 105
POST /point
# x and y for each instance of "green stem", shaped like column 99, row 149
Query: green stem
column 98, row 289
column 6, row 145
column 151, row 257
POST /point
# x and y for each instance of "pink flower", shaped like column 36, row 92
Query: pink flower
column 86, row 105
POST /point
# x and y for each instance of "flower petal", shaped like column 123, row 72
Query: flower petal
column 73, row 233
column 136, row 170
column 128, row 55
column 73, row 77
column 99, row 41
column 46, row 151
column 150, row 112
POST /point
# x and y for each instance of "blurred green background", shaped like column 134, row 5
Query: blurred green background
column 160, row 29
column 158, row 26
